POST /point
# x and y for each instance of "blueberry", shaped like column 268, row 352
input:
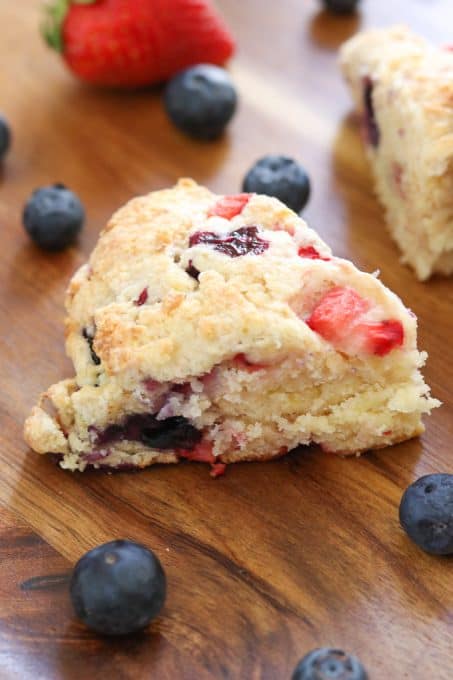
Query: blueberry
column 426, row 513
column 192, row 271
column 118, row 588
column 239, row 242
column 53, row 216
column 280, row 177
column 329, row 664
column 341, row 6
column 89, row 337
column 5, row 136
column 171, row 433
column 201, row 101
column 372, row 131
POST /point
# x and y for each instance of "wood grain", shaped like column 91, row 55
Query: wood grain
column 273, row 559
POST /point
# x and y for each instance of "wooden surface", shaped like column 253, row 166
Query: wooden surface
column 273, row 559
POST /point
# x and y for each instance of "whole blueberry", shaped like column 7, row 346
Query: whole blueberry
column 329, row 664
column 201, row 100
column 281, row 177
column 5, row 136
column 118, row 588
column 341, row 6
column 53, row 217
column 426, row 513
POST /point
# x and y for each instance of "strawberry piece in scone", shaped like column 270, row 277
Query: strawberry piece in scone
column 341, row 318
column 335, row 316
column 311, row 253
column 229, row 206
column 383, row 336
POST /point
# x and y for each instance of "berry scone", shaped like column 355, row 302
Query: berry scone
column 222, row 329
column 403, row 90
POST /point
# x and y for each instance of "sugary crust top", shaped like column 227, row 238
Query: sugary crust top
column 254, row 304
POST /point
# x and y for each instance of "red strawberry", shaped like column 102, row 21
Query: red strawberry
column 142, row 298
column 311, row 253
column 383, row 336
column 339, row 319
column 130, row 43
column 336, row 313
column 229, row 206
column 202, row 453
column 217, row 469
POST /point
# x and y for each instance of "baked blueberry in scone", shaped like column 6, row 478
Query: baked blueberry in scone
column 403, row 90
column 220, row 329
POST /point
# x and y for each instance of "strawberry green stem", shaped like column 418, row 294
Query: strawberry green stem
column 54, row 15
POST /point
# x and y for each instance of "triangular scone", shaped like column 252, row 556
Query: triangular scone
column 223, row 329
column 403, row 90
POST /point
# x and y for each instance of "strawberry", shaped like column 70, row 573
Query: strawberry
column 339, row 317
column 311, row 253
column 229, row 206
column 130, row 43
column 382, row 336
column 202, row 453
column 336, row 313
column 142, row 298
column 217, row 469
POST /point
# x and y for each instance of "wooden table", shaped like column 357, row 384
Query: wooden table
column 273, row 559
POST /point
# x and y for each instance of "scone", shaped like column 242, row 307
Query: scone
column 403, row 90
column 222, row 329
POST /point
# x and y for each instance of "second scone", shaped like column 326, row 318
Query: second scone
column 403, row 91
